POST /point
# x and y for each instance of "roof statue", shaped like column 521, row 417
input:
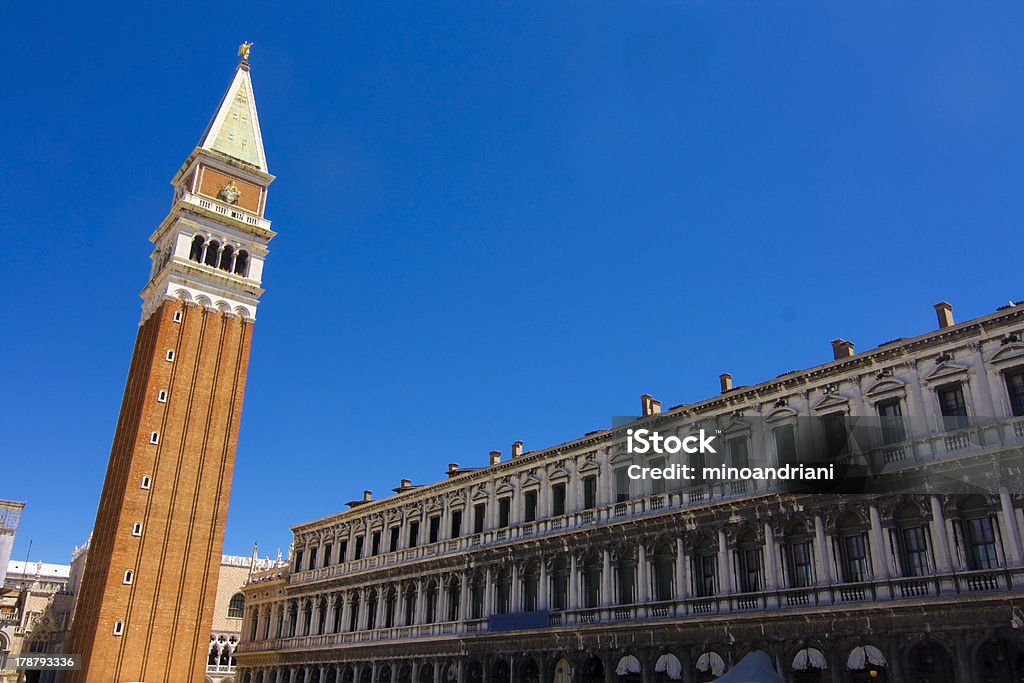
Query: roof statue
column 243, row 51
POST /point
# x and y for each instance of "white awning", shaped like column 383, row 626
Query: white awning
column 628, row 664
column 669, row 664
column 809, row 658
column 862, row 655
column 711, row 661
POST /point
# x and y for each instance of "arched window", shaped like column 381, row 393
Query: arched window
column 477, row 588
column 118, row 627
column 748, row 555
column 664, row 570
column 196, row 253
column 339, row 609
column 236, row 606
column 560, row 569
column 129, row 576
column 322, row 616
column 625, row 568
column 242, row 263
column 799, row 556
column 137, row 529
column 503, row 591
column 979, row 531
column 212, row 253
column 531, row 587
column 592, row 567
column 705, row 568
column 912, row 540
column 371, row 610
column 353, row 623
column 853, row 549
column 225, row 257
column 389, row 608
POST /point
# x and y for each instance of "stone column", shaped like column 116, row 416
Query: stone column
column 955, row 530
column 378, row 620
column 940, row 539
column 1012, row 533
column 881, row 560
column 247, row 617
column 314, row 619
column 821, row 555
column 574, row 582
column 606, row 482
column 329, row 625
column 643, row 574
column 542, row 587
column 544, row 504
column 275, row 616
column 682, row 586
column 516, row 589
column 346, row 612
column 300, row 619
column 965, row 670
column 606, row 578
column 572, row 493
column 771, row 573
column 463, row 596
column 419, row 613
column 362, row 607
column 488, row 593
column 724, row 566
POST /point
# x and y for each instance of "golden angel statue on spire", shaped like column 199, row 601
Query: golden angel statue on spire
column 243, row 51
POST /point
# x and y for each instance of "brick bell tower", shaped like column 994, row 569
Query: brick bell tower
column 146, row 605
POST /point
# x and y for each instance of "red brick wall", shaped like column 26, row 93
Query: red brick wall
column 168, row 610
column 211, row 180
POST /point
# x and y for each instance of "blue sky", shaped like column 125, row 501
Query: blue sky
column 496, row 221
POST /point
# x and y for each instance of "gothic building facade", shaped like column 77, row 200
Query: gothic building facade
column 556, row 565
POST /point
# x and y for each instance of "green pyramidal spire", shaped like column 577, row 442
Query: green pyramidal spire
column 235, row 127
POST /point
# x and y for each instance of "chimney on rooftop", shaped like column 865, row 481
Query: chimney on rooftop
column 495, row 457
column 367, row 496
column 517, row 449
column 726, row 379
column 649, row 405
column 842, row 348
column 945, row 313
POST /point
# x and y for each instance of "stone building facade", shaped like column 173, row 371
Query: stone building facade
column 555, row 565
column 228, row 612
column 34, row 609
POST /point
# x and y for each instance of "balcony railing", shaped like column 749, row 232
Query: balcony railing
column 883, row 591
column 224, row 209
column 220, row 669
